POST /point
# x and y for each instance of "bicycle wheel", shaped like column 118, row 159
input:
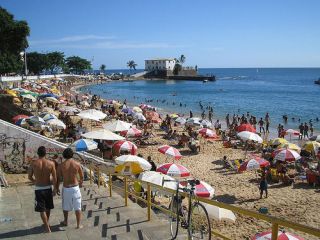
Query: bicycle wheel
column 174, row 219
column 199, row 227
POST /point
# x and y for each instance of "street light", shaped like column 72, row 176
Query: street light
column 24, row 59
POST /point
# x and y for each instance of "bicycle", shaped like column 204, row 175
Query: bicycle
column 195, row 219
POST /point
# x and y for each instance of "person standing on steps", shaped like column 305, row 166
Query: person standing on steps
column 71, row 195
column 42, row 169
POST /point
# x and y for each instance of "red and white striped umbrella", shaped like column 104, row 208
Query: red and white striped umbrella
column 282, row 235
column 292, row 132
column 174, row 170
column 246, row 127
column 253, row 164
column 207, row 132
column 132, row 132
column 204, row 190
column 286, row 155
column 126, row 146
column 170, row 151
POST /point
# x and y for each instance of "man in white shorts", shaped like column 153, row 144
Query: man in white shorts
column 71, row 195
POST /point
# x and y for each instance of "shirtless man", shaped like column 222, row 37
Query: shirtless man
column 42, row 169
column 71, row 195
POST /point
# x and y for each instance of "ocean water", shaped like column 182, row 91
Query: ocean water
column 279, row 91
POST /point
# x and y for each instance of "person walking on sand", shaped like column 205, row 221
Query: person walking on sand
column 263, row 186
column 42, row 169
column 301, row 128
column 71, row 195
column 305, row 130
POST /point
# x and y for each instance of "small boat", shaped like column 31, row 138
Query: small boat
column 205, row 80
column 317, row 81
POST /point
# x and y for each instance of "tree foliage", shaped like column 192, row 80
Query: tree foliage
column 13, row 40
column 77, row 64
column 103, row 67
column 55, row 61
column 178, row 66
column 132, row 65
column 37, row 62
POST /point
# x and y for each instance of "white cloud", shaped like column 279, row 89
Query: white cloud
column 70, row 39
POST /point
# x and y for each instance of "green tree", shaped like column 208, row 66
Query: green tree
column 55, row 61
column 178, row 66
column 37, row 62
column 77, row 64
column 132, row 65
column 13, row 40
column 102, row 68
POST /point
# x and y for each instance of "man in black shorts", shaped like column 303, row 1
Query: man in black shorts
column 42, row 169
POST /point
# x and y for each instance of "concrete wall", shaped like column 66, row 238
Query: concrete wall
column 18, row 147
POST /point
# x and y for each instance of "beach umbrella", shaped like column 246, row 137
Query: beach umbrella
column 193, row 121
column 278, row 141
column 139, row 116
column 180, row 120
column 156, row 119
column 204, row 190
column 48, row 110
column 137, row 110
column 159, row 178
column 36, row 119
column 246, row 127
column 207, row 132
column 311, row 146
column 16, row 100
column 92, row 114
column 18, row 117
column 291, row 132
column 170, row 151
column 282, row 235
column 132, row 132
column 286, row 155
column 21, row 122
column 206, row 123
column 52, row 99
column 84, row 145
column 33, row 94
column 84, row 104
column 246, row 135
column 253, row 164
column 103, row 134
column 56, row 123
column 132, row 164
column 174, row 170
column 47, row 95
column 69, row 109
column 29, row 96
column 219, row 214
column 12, row 93
column 315, row 138
column 117, row 126
column 125, row 146
column 291, row 146
column 174, row 116
column 48, row 116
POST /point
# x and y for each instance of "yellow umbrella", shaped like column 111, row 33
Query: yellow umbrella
column 278, row 141
column 55, row 91
column 291, row 146
column 129, row 168
column 311, row 146
column 12, row 93
column 16, row 100
column 174, row 115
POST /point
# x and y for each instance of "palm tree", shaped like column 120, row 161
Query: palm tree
column 178, row 66
column 102, row 68
column 132, row 65
column 182, row 59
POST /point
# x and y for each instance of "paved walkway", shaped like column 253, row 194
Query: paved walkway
column 103, row 218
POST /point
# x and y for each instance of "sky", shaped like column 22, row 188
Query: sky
column 210, row 33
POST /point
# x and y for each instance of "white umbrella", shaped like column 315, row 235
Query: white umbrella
column 206, row 123
column 180, row 120
column 92, row 114
column 103, row 134
column 246, row 135
column 57, row 123
column 29, row 96
column 69, row 109
column 144, row 164
column 139, row 116
column 137, row 110
column 117, row 126
column 48, row 116
column 219, row 213
column 159, row 179
column 36, row 119
column 193, row 121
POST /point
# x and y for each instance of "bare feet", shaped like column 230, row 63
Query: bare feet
column 79, row 227
column 63, row 224
column 47, row 229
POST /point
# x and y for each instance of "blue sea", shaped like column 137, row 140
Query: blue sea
column 279, row 91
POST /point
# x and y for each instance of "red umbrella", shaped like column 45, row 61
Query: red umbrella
column 246, row 127
column 286, row 155
column 207, row 133
column 125, row 145
column 132, row 132
column 170, row 151
column 18, row 117
column 174, row 170
column 282, row 235
column 253, row 164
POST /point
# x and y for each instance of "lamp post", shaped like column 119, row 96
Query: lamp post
column 24, row 58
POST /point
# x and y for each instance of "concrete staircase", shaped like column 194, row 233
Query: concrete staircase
column 103, row 218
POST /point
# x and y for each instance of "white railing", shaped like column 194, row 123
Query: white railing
column 20, row 78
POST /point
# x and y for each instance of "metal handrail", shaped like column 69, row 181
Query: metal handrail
column 275, row 221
